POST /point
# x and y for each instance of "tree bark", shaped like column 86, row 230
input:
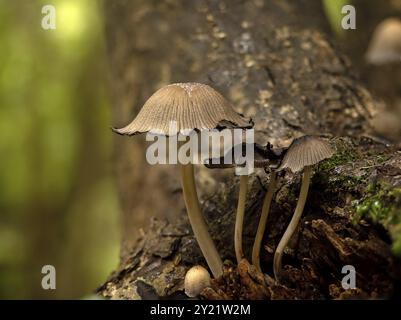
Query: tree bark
column 273, row 60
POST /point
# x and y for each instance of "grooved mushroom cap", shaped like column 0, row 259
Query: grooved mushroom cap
column 305, row 151
column 193, row 106
column 196, row 279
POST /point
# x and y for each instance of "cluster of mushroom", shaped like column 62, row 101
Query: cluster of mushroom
column 195, row 106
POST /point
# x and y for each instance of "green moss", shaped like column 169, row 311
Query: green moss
column 378, row 202
column 382, row 204
column 343, row 182
column 341, row 156
column 382, row 158
column 345, row 156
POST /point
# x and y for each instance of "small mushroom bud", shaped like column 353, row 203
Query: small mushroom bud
column 196, row 279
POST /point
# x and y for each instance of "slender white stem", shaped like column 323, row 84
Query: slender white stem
column 239, row 220
column 293, row 223
column 262, row 222
column 198, row 222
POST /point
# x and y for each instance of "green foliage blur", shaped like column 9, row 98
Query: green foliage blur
column 334, row 16
column 58, row 203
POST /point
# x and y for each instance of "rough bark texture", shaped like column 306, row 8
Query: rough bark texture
column 274, row 62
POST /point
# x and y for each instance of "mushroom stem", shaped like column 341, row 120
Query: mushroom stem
column 293, row 223
column 239, row 219
column 262, row 222
column 197, row 220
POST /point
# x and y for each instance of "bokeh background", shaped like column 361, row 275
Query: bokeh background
column 58, row 202
column 58, row 199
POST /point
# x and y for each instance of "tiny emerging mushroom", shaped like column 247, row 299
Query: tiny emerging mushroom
column 303, row 154
column 196, row 279
column 190, row 106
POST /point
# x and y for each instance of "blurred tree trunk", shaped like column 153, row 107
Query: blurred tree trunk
column 382, row 80
column 274, row 62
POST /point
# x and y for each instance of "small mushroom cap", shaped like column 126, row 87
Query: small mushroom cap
column 305, row 151
column 385, row 46
column 196, row 279
column 192, row 106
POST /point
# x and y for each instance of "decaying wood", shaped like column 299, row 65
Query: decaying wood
column 330, row 236
column 282, row 71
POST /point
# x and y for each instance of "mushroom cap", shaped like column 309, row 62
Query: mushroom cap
column 192, row 106
column 196, row 279
column 385, row 46
column 305, row 151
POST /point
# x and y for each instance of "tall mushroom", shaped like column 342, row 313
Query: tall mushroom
column 268, row 156
column 191, row 106
column 263, row 219
column 272, row 156
column 239, row 217
column 302, row 154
